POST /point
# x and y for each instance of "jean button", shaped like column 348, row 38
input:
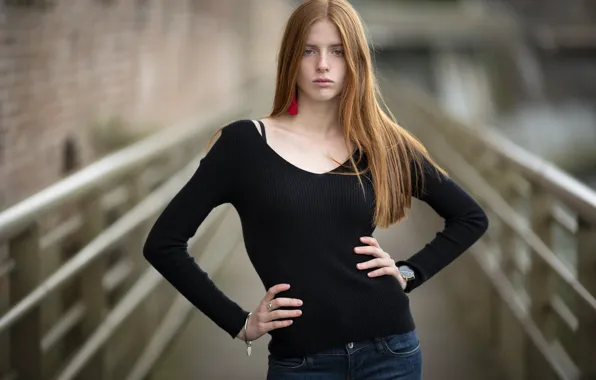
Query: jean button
column 350, row 345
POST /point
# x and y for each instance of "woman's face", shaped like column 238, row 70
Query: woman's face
column 323, row 67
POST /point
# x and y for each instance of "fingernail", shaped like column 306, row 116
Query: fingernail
column 299, row 303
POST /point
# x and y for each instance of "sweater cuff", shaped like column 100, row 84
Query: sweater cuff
column 419, row 276
column 236, row 326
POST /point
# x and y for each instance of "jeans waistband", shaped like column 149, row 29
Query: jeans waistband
column 352, row 347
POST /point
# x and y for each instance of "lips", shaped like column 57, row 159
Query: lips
column 323, row 80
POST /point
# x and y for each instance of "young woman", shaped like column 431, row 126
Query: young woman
column 310, row 183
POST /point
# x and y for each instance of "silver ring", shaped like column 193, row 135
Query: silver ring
column 269, row 306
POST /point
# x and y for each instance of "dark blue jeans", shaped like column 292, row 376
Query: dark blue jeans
column 395, row 357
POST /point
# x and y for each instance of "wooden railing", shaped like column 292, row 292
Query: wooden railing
column 75, row 273
column 538, row 311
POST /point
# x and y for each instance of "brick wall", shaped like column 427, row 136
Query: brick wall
column 72, row 64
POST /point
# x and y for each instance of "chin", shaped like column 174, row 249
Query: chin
column 323, row 96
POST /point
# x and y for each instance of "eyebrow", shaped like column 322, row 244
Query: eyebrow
column 332, row 45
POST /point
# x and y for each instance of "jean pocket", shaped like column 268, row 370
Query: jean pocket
column 287, row 363
column 402, row 345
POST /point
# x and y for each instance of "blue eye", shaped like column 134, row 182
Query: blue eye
column 308, row 51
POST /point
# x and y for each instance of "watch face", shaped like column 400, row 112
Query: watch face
column 407, row 272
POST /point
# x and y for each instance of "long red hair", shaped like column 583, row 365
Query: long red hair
column 390, row 149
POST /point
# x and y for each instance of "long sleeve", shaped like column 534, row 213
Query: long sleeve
column 465, row 223
column 166, row 247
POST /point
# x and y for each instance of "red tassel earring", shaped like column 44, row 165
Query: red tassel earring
column 293, row 109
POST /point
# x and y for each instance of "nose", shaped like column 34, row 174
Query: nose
column 322, row 65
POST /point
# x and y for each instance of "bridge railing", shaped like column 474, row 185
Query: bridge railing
column 75, row 275
column 538, row 255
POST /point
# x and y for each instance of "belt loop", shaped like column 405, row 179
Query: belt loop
column 309, row 361
column 379, row 345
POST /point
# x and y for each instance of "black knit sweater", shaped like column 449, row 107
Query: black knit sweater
column 301, row 228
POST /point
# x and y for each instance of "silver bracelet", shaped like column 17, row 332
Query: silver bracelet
column 248, row 342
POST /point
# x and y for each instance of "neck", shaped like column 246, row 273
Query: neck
column 317, row 118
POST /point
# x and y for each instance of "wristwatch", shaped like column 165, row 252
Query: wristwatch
column 406, row 272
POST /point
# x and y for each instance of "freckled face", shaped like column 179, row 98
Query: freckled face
column 323, row 67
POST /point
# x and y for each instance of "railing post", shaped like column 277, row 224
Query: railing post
column 508, row 238
column 137, row 328
column 25, row 336
column 135, row 241
column 542, row 285
column 6, row 266
column 51, row 308
column 92, row 283
column 586, row 334
column 502, row 327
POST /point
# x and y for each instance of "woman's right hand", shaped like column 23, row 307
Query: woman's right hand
column 267, row 317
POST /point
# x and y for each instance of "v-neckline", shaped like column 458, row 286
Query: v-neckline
column 308, row 172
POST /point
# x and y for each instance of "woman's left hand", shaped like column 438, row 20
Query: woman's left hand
column 382, row 260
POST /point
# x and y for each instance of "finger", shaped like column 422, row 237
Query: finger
column 281, row 314
column 371, row 250
column 276, row 325
column 275, row 289
column 370, row 241
column 376, row 263
column 285, row 302
column 383, row 272
column 402, row 282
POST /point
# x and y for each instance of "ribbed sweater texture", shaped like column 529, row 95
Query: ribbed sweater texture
column 301, row 228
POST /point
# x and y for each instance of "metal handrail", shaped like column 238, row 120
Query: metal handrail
column 95, row 248
column 17, row 217
column 572, row 192
column 578, row 196
column 89, row 178
column 472, row 179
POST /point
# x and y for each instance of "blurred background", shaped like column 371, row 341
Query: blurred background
column 106, row 106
